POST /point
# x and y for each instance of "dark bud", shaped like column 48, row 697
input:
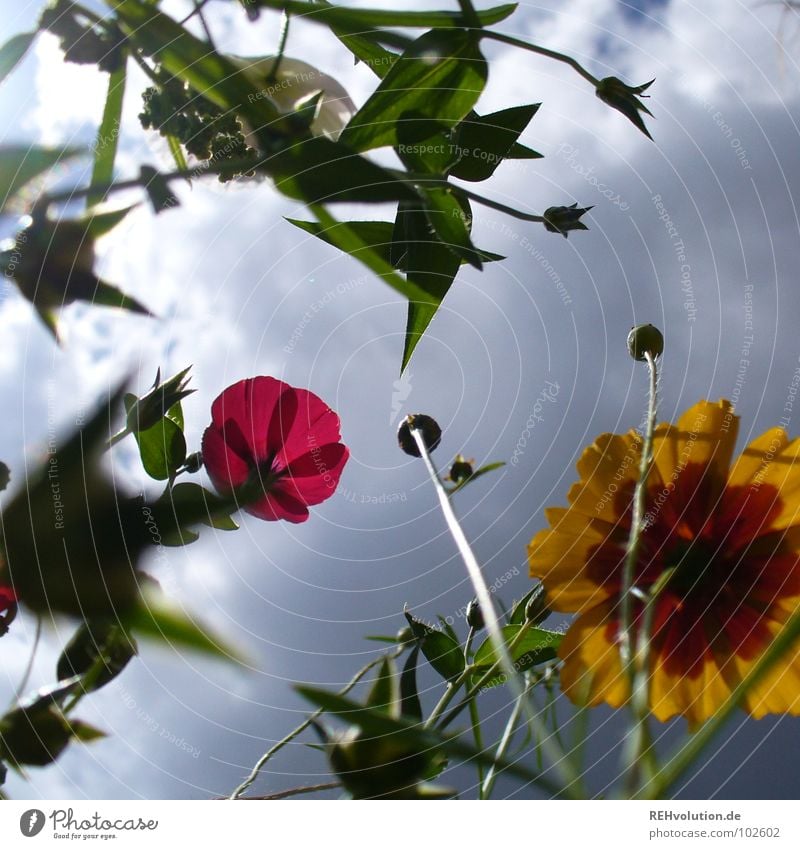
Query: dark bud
column 536, row 610
column 461, row 469
column 563, row 219
column 475, row 615
column 404, row 635
column 193, row 463
column 625, row 98
column 147, row 411
column 430, row 430
column 645, row 339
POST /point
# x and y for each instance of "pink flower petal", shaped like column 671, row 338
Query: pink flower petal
column 225, row 467
column 250, row 403
column 279, row 505
column 315, row 424
column 313, row 477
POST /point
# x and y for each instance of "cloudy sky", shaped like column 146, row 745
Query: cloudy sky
column 230, row 280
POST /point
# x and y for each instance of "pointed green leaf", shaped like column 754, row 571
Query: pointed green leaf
column 385, row 694
column 106, row 143
column 106, row 295
column 19, row 164
column 375, row 235
column 484, row 141
column 441, row 75
column 410, row 705
column 451, row 219
column 441, row 650
column 537, row 646
column 98, row 651
column 13, row 51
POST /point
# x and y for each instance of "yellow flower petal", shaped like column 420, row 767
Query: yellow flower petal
column 781, row 472
column 705, row 435
column 757, row 455
column 592, row 671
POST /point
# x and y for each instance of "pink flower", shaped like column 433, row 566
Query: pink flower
column 8, row 598
column 281, row 441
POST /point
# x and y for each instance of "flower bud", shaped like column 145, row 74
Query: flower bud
column 475, row 615
column 147, row 411
column 536, row 610
column 625, row 98
column 194, row 462
column 428, row 427
column 461, row 469
column 404, row 635
column 645, row 339
column 562, row 219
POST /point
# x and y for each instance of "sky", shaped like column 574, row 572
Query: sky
column 696, row 232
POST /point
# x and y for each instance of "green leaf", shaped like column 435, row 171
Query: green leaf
column 441, row 75
column 451, row 219
column 187, row 504
column 84, row 732
column 19, row 164
column 363, row 19
column 158, row 191
column 441, row 650
column 485, row 141
column 517, row 616
column 537, row 646
column 377, row 725
column 410, row 705
column 5, row 475
column 424, row 144
column 428, row 263
column 105, row 146
column 489, row 467
column 319, row 170
column 156, row 618
column 98, row 224
column 385, row 695
column 375, row 235
column 13, row 51
column 177, row 154
column 106, row 295
column 162, row 448
column 100, row 648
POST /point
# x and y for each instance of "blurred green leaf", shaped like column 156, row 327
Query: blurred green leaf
column 157, row 618
column 162, row 448
column 441, row 75
column 5, row 475
column 442, row 652
column 385, row 694
column 484, row 141
column 363, row 19
column 106, row 143
column 191, row 504
column 101, row 647
column 13, row 51
column 19, row 164
column 410, row 705
column 537, row 646
column 106, row 295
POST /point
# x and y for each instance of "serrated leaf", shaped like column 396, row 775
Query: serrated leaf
column 19, row 164
column 537, row 646
column 13, row 51
column 106, row 143
column 441, row 75
column 486, row 140
column 441, row 650
column 162, row 449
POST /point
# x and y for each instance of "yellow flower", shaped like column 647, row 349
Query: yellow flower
column 732, row 535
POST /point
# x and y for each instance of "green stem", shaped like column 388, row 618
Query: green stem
column 296, row 732
column 542, row 51
column 471, row 19
column 499, row 207
column 502, row 747
column 637, row 519
column 688, row 754
column 284, row 37
column 452, row 688
column 293, row 791
column 477, row 736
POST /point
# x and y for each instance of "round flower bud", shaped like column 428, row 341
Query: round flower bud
column 431, row 433
column 475, row 615
column 645, row 339
column 194, row 462
column 461, row 469
column 404, row 635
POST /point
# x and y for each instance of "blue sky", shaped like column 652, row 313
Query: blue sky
column 231, row 280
